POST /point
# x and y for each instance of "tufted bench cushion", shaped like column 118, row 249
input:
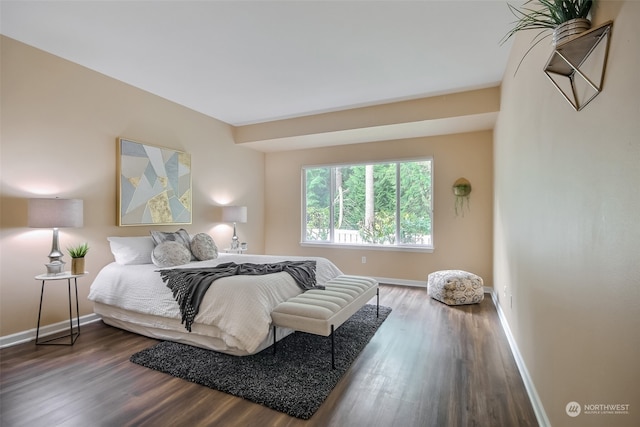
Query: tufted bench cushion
column 320, row 311
column 315, row 310
column 455, row 287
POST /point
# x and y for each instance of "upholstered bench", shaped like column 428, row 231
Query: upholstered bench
column 455, row 287
column 321, row 311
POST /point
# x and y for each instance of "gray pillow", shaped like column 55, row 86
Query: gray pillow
column 170, row 254
column 203, row 247
column 180, row 236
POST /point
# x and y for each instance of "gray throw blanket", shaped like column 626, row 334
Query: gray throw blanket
column 190, row 284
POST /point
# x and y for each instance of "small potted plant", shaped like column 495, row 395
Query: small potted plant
column 552, row 15
column 461, row 189
column 77, row 254
column 565, row 18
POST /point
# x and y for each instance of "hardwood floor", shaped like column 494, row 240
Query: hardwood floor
column 428, row 365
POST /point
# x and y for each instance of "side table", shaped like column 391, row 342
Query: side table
column 73, row 335
column 238, row 251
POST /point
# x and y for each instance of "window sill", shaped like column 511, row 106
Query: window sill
column 406, row 248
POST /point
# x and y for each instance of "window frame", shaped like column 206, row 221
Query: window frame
column 366, row 246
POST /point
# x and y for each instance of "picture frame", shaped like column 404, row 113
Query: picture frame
column 154, row 185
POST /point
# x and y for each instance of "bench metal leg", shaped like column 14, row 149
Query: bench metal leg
column 333, row 350
column 274, row 340
column 333, row 344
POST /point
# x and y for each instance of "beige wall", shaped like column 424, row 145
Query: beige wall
column 60, row 122
column 460, row 242
column 377, row 117
column 566, row 230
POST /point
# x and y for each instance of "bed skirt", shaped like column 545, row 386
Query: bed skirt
column 167, row 329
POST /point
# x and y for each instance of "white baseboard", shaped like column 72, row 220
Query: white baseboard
column 541, row 415
column 30, row 335
column 416, row 283
column 401, row 282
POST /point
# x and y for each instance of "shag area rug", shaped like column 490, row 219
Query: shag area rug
column 296, row 380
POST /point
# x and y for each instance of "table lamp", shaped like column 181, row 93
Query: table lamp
column 234, row 214
column 55, row 213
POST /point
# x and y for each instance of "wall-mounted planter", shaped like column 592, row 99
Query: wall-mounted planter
column 461, row 189
column 569, row 29
column 577, row 65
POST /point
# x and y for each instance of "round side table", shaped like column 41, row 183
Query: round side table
column 73, row 335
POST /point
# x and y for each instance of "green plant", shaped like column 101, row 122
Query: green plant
column 381, row 231
column 548, row 15
column 462, row 190
column 545, row 15
column 78, row 251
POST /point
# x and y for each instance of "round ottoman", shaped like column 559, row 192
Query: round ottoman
column 455, row 287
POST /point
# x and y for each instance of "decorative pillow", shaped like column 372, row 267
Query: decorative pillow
column 203, row 247
column 131, row 250
column 170, row 254
column 181, row 236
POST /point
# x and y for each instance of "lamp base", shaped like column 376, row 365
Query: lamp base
column 56, row 254
column 55, row 268
column 235, row 244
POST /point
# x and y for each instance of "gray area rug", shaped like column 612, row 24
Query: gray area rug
column 296, row 380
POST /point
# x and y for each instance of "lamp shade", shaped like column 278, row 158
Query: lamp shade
column 234, row 213
column 55, row 213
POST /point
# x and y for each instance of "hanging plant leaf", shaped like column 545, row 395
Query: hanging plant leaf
column 461, row 189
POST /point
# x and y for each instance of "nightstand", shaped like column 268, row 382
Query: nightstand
column 238, row 251
column 73, row 336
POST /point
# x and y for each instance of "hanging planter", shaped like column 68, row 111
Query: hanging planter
column 462, row 190
column 570, row 29
column 566, row 19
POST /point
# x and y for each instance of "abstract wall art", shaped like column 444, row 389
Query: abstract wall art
column 154, row 185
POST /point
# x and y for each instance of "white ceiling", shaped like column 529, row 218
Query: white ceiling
column 247, row 62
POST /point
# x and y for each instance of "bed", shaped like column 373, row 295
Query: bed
column 235, row 313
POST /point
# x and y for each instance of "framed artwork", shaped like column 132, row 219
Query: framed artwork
column 154, row 185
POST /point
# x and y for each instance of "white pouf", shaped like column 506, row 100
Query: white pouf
column 455, row 287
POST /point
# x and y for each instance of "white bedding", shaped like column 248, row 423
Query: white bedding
column 235, row 311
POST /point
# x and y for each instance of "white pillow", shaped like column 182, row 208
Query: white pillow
column 131, row 250
column 203, row 247
column 170, row 254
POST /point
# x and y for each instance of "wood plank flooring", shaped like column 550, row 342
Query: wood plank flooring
column 428, row 365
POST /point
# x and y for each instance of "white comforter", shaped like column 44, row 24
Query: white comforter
column 239, row 306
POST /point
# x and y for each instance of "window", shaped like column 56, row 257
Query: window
column 380, row 204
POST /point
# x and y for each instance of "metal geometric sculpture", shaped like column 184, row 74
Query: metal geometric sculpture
column 576, row 67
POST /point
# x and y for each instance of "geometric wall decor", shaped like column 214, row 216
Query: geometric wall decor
column 154, row 185
column 576, row 67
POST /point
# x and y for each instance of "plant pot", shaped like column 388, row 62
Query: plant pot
column 461, row 188
column 77, row 265
column 570, row 29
